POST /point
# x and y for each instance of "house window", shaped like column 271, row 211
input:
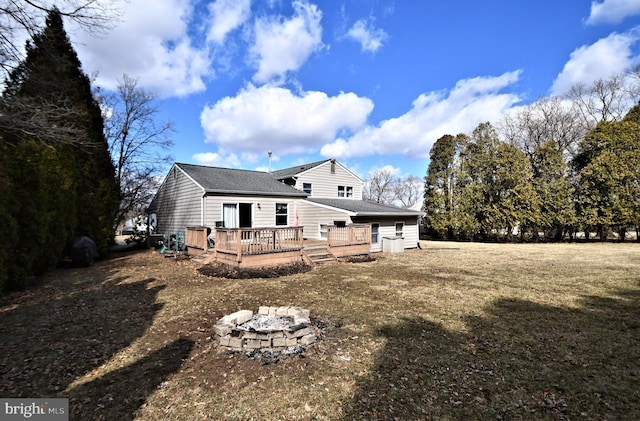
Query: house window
column 323, row 231
column 375, row 233
column 306, row 187
column 399, row 228
column 345, row 191
column 282, row 216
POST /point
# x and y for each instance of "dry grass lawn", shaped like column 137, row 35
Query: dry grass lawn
column 452, row 331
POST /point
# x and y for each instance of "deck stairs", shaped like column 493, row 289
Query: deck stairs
column 318, row 253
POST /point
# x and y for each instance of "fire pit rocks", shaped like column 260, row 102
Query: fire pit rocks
column 274, row 330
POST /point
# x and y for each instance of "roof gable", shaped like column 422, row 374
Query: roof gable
column 300, row 169
column 293, row 171
column 234, row 181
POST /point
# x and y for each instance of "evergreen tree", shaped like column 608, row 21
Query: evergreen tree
column 58, row 174
column 633, row 186
column 557, row 211
column 494, row 189
column 56, row 74
column 607, row 170
column 439, row 199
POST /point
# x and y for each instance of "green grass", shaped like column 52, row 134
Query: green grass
column 453, row 331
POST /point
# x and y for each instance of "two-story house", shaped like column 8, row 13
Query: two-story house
column 335, row 197
column 313, row 196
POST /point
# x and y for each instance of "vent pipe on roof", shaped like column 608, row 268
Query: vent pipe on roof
column 269, row 161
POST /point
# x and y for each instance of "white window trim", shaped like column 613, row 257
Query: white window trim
column 320, row 231
column 377, row 233
column 281, row 214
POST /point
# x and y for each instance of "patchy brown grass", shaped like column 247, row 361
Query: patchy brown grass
column 452, row 331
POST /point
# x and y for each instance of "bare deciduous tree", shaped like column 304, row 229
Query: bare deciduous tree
column 603, row 100
column 137, row 142
column 383, row 187
column 547, row 119
column 409, row 191
column 380, row 186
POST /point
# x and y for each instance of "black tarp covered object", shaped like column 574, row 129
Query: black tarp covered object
column 83, row 252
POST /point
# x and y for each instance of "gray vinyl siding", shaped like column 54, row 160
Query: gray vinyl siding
column 312, row 215
column 178, row 203
column 261, row 216
column 324, row 184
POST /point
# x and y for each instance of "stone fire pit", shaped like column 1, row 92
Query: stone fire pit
column 273, row 330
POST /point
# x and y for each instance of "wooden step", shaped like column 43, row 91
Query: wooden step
column 318, row 254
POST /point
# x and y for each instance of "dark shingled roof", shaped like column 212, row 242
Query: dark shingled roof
column 233, row 181
column 290, row 172
column 365, row 208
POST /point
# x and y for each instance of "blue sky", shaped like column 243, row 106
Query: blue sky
column 373, row 83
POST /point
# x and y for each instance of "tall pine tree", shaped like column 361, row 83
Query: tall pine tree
column 439, row 199
column 55, row 160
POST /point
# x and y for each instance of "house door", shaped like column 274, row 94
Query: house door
column 237, row 215
column 244, row 215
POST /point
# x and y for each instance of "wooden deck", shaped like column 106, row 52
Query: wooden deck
column 260, row 247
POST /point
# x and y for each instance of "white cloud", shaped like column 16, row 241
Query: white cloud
column 273, row 118
column 612, row 11
column 151, row 44
column 217, row 159
column 599, row 60
column 370, row 38
column 394, row 171
column 284, row 45
column 227, row 15
column 431, row 116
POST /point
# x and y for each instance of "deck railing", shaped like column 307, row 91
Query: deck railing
column 349, row 240
column 348, row 235
column 197, row 237
column 247, row 241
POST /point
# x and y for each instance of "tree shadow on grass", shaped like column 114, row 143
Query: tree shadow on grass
column 52, row 335
column 522, row 360
column 119, row 394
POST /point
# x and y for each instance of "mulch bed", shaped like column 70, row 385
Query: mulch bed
column 218, row 270
column 363, row 258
